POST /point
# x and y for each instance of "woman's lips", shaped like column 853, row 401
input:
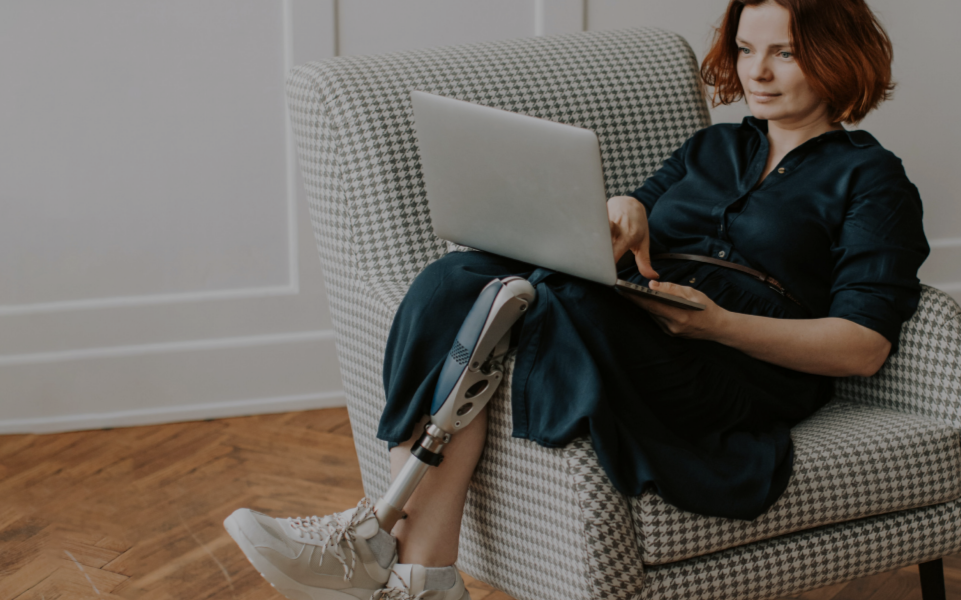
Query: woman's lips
column 762, row 98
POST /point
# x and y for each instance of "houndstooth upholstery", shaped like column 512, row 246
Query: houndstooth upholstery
column 851, row 461
column 807, row 560
column 923, row 377
column 540, row 523
column 545, row 522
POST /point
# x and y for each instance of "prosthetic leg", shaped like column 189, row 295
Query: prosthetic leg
column 470, row 376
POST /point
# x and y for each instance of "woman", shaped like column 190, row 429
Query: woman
column 696, row 405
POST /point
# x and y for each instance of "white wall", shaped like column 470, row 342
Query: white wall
column 156, row 262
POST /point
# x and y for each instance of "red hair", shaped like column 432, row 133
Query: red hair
column 842, row 49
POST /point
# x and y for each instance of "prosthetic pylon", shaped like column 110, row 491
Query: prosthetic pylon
column 470, row 376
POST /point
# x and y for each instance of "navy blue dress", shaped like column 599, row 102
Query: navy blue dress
column 704, row 425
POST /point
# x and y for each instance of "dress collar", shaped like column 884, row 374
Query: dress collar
column 857, row 137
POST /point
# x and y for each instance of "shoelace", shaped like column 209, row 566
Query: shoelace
column 333, row 529
column 395, row 593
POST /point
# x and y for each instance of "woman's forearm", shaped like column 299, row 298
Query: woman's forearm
column 829, row 346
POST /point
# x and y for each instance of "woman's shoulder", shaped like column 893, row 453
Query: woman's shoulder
column 866, row 146
column 878, row 185
column 872, row 163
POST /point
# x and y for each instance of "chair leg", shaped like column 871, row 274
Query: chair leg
column 932, row 580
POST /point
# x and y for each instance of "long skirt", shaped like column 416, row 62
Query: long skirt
column 702, row 424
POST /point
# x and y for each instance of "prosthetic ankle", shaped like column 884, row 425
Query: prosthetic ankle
column 471, row 374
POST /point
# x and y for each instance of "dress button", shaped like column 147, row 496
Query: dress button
column 781, row 170
column 722, row 253
column 692, row 280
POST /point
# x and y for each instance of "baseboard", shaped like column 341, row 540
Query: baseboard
column 161, row 383
column 173, row 414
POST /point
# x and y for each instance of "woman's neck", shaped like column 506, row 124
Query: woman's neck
column 784, row 137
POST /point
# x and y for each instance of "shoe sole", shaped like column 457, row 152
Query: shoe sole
column 279, row 580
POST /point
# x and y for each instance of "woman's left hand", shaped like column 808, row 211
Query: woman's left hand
column 682, row 322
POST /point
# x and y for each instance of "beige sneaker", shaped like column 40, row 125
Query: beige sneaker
column 344, row 556
column 414, row 582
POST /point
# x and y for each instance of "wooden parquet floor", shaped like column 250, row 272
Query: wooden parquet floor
column 137, row 513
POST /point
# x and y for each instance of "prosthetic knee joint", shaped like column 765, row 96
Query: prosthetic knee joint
column 471, row 374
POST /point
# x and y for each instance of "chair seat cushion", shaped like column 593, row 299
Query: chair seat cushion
column 850, row 461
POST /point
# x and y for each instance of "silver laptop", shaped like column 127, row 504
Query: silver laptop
column 521, row 187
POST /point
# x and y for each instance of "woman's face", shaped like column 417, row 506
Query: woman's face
column 774, row 86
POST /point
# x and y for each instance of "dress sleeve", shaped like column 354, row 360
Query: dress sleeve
column 877, row 256
column 672, row 171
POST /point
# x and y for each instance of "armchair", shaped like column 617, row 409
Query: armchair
column 878, row 471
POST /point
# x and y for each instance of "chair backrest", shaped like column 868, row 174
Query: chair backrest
column 637, row 89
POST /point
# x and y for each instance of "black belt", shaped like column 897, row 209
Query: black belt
column 772, row 282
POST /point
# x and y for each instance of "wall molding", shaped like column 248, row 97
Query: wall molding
column 292, row 288
column 293, row 264
column 945, row 243
column 539, row 17
column 335, row 5
column 941, row 270
column 146, row 300
column 165, row 347
column 173, row 414
column 559, row 16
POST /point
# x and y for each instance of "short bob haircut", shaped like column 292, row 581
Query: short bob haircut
column 840, row 46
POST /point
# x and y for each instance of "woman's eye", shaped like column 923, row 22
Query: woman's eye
column 785, row 54
column 743, row 50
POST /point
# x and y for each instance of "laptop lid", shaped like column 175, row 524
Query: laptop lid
column 515, row 185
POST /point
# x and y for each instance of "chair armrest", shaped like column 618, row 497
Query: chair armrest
column 924, row 377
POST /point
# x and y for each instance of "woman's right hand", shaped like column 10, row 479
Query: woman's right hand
column 628, row 219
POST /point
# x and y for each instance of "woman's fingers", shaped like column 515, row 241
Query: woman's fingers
column 673, row 288
column 654, row 307
column 617, row 241
column 628, row 220
column 642, row 256
column 681, row 322
column 619, row 249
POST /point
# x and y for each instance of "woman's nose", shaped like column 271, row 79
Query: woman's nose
column 759, row 70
